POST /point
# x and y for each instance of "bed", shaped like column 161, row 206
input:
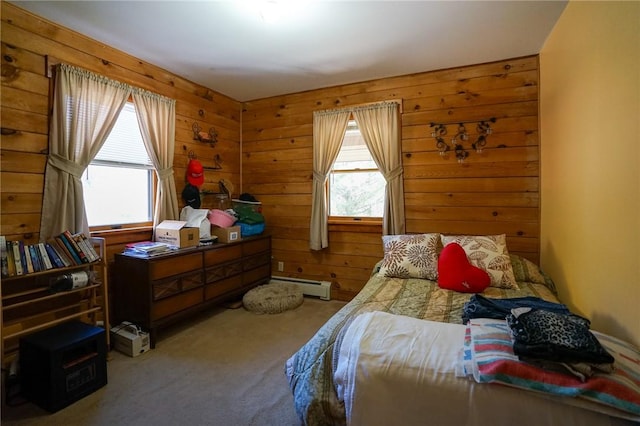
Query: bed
column 401, row 301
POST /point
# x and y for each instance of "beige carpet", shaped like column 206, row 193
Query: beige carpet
column 225, row 367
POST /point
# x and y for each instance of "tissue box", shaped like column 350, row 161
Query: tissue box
column 175, row 232
column 227, row 235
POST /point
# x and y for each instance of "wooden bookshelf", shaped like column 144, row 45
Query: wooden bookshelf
column 28, row 306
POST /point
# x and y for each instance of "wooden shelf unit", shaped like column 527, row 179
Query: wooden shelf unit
column 28, row 306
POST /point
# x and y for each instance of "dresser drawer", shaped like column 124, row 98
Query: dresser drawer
column 189, row 281
column 260, row 274
column 257, row 246
column 175, row 265
column 219, row 272
column 222, row 255
column 255, row 261
column 176, row 284
column 171, row 305
column 165, row 288
column 221, row 287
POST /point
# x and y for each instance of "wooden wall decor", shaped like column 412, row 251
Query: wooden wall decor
column 460, row 138
column 210, row 137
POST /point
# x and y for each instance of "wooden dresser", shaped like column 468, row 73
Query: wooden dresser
column 156, row 291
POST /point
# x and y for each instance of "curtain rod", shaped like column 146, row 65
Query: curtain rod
column 363, row 105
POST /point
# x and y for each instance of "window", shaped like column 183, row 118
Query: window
column 356, row 186
column 119, row 183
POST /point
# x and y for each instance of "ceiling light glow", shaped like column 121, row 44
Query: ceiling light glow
column 269, row 11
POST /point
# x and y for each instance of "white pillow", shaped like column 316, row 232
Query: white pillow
column 410, row 256
column 487, row 252
column 197, row 218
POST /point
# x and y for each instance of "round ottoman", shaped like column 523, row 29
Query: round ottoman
column 273, row 298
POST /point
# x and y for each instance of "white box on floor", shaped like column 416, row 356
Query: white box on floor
column 129, row 339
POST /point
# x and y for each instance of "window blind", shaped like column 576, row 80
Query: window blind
column 124, row 145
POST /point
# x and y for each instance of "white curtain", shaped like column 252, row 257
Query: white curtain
column 85, row 109
column 380, row 130
column 157, row 119
column 328, row 131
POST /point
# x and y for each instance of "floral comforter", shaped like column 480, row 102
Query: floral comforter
column 310, row 370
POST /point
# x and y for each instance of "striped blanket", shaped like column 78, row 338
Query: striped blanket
column 488, row 357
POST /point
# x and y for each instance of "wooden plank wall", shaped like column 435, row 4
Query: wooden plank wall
column 27, row 40
column 493, row 192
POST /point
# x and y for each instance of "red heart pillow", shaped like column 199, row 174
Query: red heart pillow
column 456, row 273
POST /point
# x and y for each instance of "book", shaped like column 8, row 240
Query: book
column 23, row 258
column 74, row 246
column 36, row 250
column 24, row 251
column 149, row 246
column 135, row 253
column 72, row 251
column 94, row 254
column 11, row 265
column 67, row 250
column 4, row 263
column 147, row 249
column 17, row 260
column 35, row 259
column 55, row 259
column 61, row 254
column 45, row 257
column 97, row 247
column 82, row 241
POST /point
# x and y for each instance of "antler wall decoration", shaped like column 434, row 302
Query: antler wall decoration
column 211, row 137
column 483, row 128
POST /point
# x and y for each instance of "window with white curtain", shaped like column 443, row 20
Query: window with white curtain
column 119, row 182
column 356, row 186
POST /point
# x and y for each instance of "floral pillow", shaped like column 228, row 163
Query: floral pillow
column 487, row 252
column 410, row 256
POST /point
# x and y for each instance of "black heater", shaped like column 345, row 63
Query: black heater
column 63, row 364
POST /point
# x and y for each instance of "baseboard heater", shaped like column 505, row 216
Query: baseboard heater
column 321, row 289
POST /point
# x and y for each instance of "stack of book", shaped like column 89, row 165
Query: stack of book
column 66, row 249
column 148, row 248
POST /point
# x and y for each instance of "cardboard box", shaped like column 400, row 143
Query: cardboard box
column 175, row 232
column 227, row 235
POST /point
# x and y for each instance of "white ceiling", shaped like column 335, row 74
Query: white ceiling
column 228, row 47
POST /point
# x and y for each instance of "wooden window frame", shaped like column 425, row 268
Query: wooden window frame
column 350, row 220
